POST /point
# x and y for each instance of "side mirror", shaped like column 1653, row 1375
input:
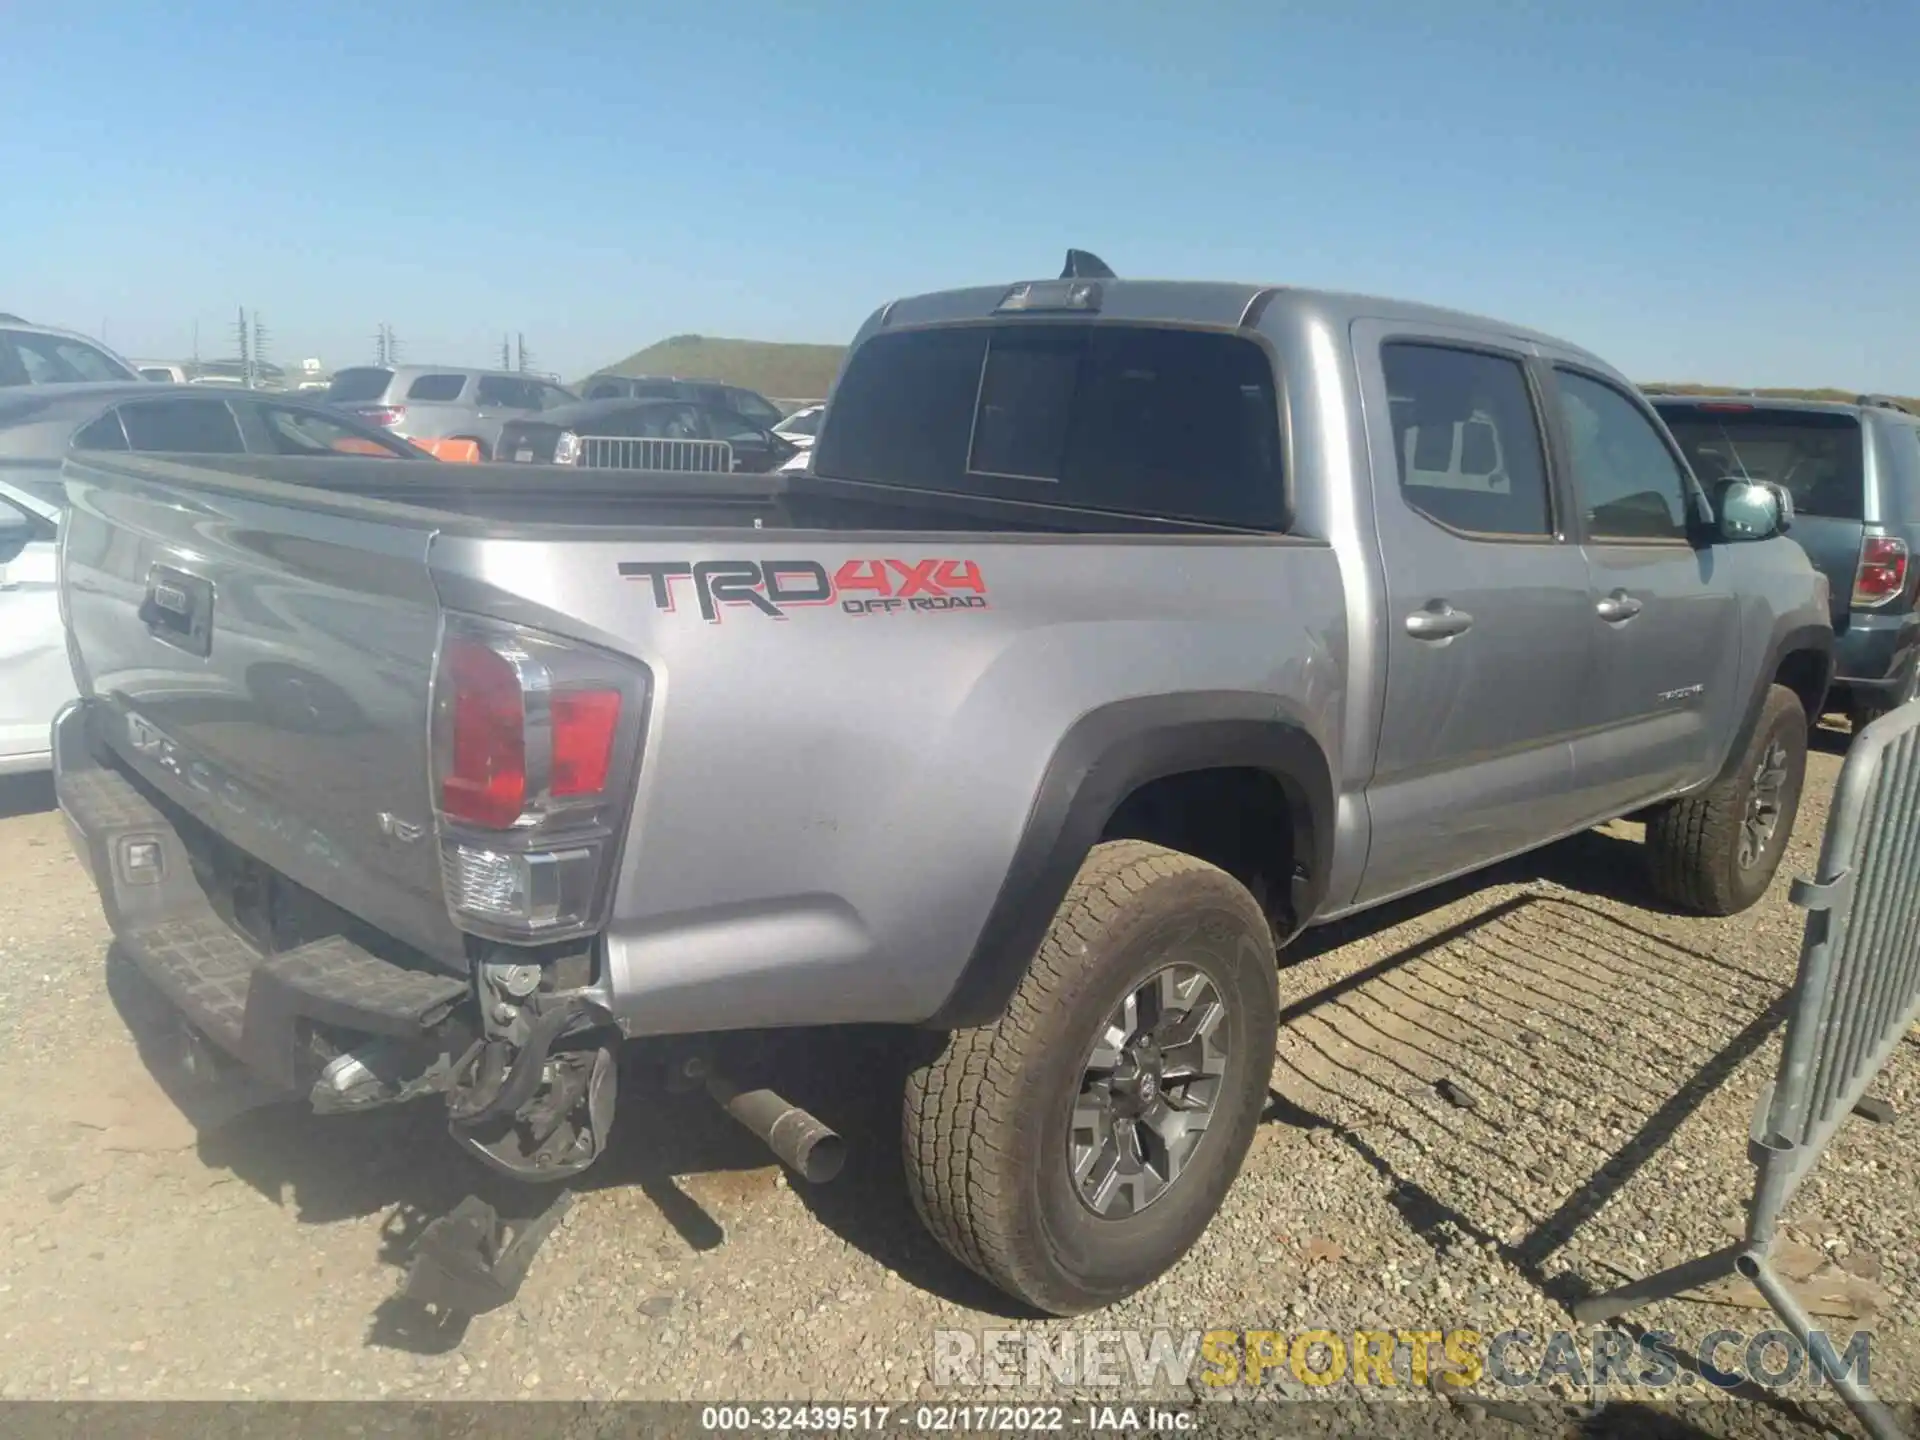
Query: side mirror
column 16, row 530
column 1754, row 510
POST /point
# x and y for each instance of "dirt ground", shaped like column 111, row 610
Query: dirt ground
column 1526, row 1084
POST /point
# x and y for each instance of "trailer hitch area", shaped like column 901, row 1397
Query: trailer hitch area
column 537, row 1112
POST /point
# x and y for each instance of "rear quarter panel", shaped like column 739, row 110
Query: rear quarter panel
column 829, row 802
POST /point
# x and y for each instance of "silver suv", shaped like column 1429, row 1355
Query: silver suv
column 42, row 355
column 444, row 402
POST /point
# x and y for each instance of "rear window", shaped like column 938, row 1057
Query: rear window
column 182, row 427
column 356, row 386
column 63, row 360
column 1815, row 454
column 437, row 387
column 1176, row 423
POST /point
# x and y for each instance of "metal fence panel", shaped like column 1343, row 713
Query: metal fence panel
column 1855, row 996
column 1858, row 988
column 707, row 457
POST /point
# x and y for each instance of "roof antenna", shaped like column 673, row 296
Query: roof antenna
column 1085, row 265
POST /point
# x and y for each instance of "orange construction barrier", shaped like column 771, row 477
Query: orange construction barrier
column 458, row 452
column 354, row 445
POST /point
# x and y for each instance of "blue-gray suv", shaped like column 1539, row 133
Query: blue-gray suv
column 1854, row 473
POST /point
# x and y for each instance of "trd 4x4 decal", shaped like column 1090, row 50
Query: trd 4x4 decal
column 773, row 587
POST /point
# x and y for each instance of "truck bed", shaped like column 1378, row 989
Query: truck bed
column 549, row 496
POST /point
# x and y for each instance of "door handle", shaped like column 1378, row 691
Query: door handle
column 1438, row 621
column 1617, row 606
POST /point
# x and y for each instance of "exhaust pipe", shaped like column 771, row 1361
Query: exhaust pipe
column 802, row 1143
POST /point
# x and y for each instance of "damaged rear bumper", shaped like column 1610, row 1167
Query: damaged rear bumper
column 281, row 1015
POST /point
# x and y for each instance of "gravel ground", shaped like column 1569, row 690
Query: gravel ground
column 1475, row 1110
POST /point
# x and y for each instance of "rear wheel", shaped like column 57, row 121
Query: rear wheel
column 1075, row 1149
column 1716, row 851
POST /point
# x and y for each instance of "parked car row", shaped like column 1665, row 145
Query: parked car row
column 449, row 402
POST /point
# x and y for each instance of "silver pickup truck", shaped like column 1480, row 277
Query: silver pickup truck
column 1121, row 630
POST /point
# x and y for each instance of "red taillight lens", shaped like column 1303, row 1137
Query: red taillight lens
column 535, row 740
column 387, row 415
column 486, row 778
column 1883, row 570
column 585, row 723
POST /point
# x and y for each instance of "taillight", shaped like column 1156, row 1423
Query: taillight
column 535, row 740
column 584, row 724
column 1882, row 574
column 385, row 415
column 566, row 448
column 485, row 782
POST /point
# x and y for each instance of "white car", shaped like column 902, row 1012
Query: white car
column 802, row 425
column 45, row 355
column 33, row 647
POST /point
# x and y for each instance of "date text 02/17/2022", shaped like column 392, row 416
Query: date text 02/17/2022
column 938, row 1418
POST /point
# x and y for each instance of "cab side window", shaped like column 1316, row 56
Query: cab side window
column 1467, row 441
column 1630, row 486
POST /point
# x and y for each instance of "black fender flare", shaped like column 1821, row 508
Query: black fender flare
column 1107, row 754
column 1817, row 639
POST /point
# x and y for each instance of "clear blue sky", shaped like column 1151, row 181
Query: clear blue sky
column 1706, row 191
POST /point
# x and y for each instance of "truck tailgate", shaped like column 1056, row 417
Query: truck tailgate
column 266, row 665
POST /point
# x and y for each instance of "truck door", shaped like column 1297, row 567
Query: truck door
column 1663, row 615
column 1488, row 621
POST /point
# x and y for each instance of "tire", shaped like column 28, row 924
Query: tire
column 1695, row 845
column 988, row 1122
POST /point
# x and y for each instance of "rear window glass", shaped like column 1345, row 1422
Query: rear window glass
column 1145, row 420
column 182, row 427
column 360, row 384
column 1815, row 454
column 103, row 434
column 62, row 360
column 437, row 387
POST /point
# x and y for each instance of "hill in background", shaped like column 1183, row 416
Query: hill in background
column 780, row 372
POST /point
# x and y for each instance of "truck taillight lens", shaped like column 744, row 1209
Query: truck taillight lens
column 485, row 781
column 566, row 449
column 535, row 741
column 1883, row 570
column 585, row 723
column 386, row 415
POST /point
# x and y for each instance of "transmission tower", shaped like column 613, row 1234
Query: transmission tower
column 523, row 356
column 260, row 337
column 243, row 342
